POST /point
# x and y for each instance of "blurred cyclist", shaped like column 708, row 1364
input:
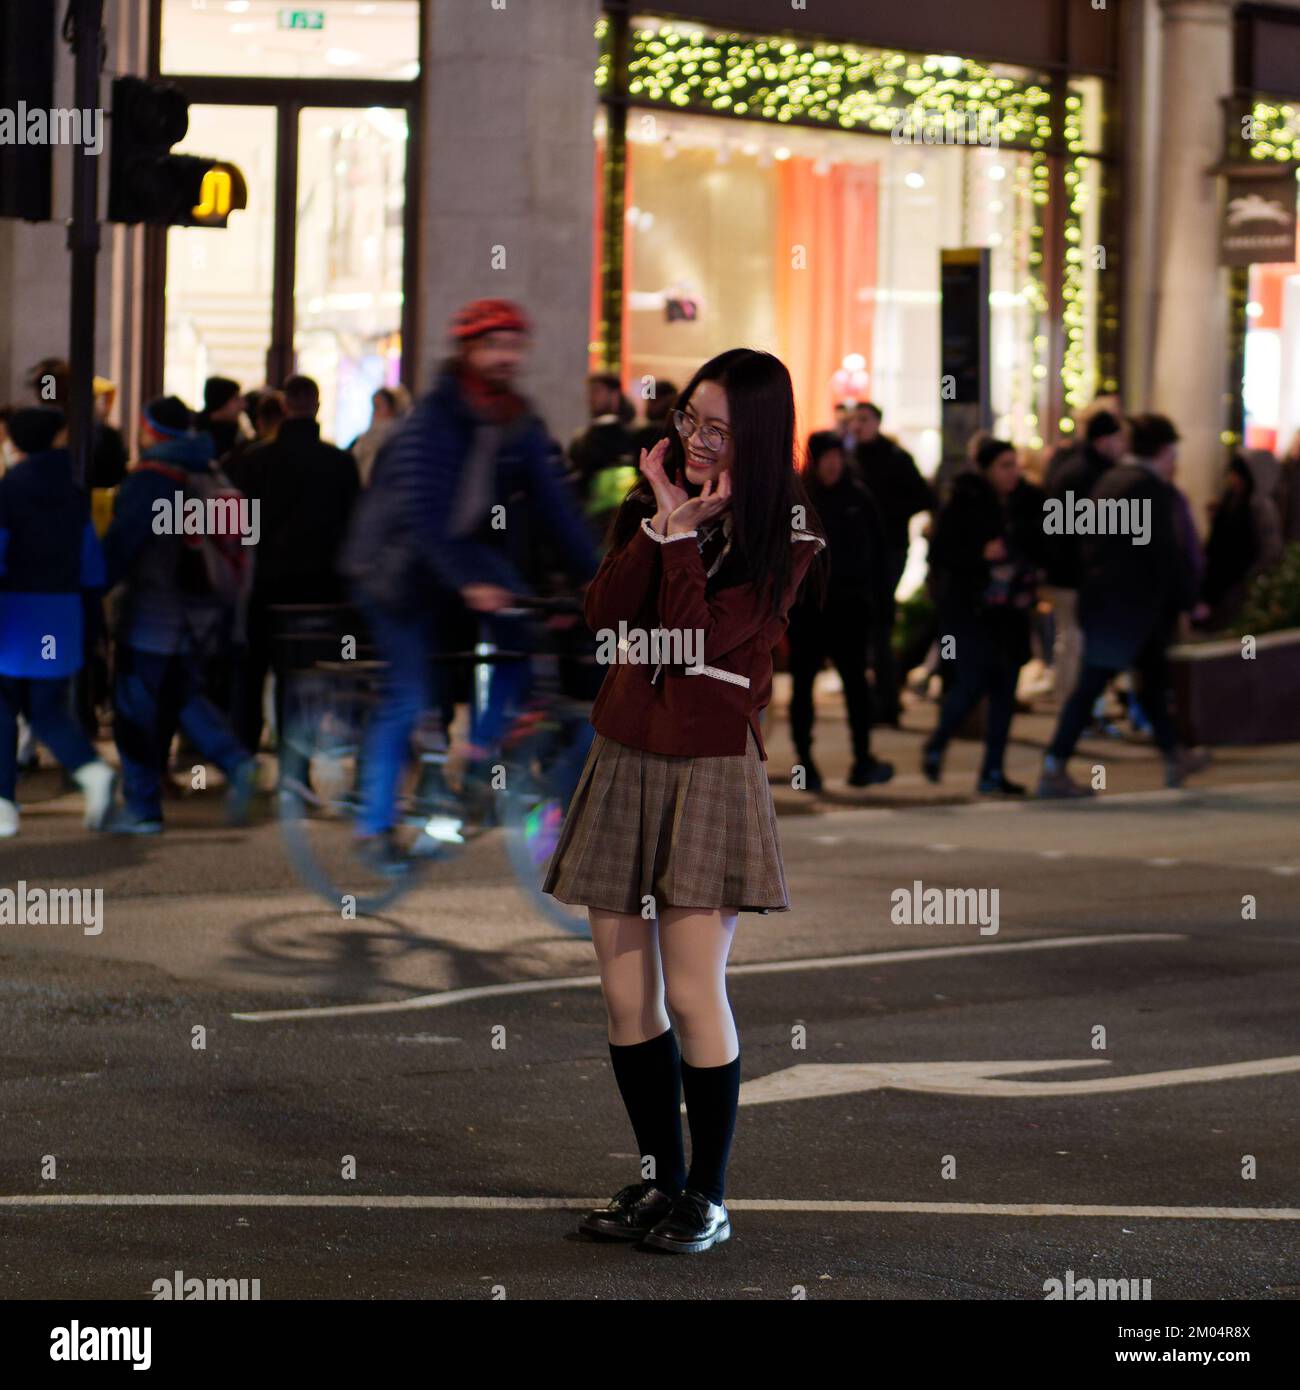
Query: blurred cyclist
column 451, row 499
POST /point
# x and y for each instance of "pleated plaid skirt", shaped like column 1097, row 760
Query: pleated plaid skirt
column 691, row 832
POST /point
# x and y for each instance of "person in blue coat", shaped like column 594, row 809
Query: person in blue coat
column 455, row 503
column 165, row 629
column 50, row 560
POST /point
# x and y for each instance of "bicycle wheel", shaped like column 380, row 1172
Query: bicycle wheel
column 542, row 773
column 319, row 796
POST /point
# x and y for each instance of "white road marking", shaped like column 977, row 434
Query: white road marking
column 1286, row 869
column 814, row 1080
column 1162, row 863
column 942, row 849
column 1051, row 854
column 415, row 1203
column 459, row 996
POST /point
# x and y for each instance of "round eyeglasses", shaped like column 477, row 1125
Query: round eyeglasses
column 711, row 437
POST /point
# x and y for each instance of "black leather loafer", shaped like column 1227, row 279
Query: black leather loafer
column 693, row 1224
column 633, row 1211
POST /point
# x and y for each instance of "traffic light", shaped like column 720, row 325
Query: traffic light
column 222, row 192
column 146, row 182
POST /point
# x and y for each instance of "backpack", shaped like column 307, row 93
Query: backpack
column 212, row 568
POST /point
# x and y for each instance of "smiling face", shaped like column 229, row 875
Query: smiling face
column 707, row 406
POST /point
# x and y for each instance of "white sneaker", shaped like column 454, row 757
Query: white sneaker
column 8, row 819
column 98, row 782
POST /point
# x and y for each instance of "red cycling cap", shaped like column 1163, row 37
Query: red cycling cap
column 488, row 316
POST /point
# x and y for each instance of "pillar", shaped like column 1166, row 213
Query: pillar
column 1191, row 336
column 506, row 191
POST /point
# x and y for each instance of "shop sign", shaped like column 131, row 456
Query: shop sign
column 1259, row 219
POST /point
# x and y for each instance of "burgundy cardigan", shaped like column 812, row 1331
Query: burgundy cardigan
column 658, row 582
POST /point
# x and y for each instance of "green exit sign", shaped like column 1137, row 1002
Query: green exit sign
column 302, row 19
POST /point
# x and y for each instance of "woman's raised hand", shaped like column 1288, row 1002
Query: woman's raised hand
column 712, row 501
column 668, row 496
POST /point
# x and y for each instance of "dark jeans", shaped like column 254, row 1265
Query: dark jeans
column 841, row 631
column 47, row 706
column 154, row 693
column 1152, row 671
column 412, row 685
column 252, row 665
column 984, row 665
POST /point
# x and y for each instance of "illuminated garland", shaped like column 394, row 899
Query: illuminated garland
column 1277, row 132
column 828, row 84
column 1036, row 286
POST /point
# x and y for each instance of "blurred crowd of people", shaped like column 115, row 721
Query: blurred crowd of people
column 187, row 644
column 184, row 644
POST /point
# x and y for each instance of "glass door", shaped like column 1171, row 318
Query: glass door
column 348, row 260
column 220, row 282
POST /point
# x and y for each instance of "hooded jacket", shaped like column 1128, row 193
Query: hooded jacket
column 49, row 557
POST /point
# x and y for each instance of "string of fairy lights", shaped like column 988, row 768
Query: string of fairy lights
column 1276, row 132
column 845, row 87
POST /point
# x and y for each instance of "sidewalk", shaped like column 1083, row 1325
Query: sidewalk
column 1131, row 765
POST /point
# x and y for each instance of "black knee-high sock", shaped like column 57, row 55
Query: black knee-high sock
column 649, row 1080
column 712, row 1096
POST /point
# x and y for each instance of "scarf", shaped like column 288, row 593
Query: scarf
column 497, row 410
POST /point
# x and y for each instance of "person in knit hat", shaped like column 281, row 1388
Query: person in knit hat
column 456, row 499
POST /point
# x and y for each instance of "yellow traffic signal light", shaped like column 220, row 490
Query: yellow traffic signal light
column 222, row 192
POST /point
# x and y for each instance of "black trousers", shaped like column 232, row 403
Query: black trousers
column 987, row 662
column 842, row 632
column 1152, row 671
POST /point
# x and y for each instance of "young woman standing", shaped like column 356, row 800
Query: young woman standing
column 671, row 831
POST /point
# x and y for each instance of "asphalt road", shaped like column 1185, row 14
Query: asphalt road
column 484, row 1116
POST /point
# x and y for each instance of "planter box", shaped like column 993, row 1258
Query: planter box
column 1223, row 698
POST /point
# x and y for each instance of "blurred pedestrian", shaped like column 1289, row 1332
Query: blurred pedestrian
column 388, row 405
column 222, row 416
column 1074, row 477
column 453, row 506
column 856, row 601
column 1130, row 597
column 1245, row 535
column 180, row 608
column 50, row 563
column 602, row 458
column 900, row 492
column 50, row 382
column 985, row 559
column 306, row 489
column 658, row 416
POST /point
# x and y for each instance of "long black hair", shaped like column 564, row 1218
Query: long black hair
column 765, row 486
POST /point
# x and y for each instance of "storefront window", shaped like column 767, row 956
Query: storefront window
column 1271, row 384
column 824, row 248
column 281, row 38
